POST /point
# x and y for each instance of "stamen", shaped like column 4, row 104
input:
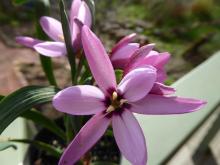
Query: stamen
column 61, row 37
column 114, row 96
column 110, row 109
column 122, row 101
column 116, row 104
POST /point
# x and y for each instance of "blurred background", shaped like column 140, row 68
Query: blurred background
column 188, row 29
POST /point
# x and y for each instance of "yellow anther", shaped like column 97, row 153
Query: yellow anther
column 110, row 109
column 114, row 96
column 61, row 37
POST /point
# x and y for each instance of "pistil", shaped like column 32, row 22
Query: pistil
column 115, row 103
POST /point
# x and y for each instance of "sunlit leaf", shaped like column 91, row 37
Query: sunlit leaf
column 23, row 100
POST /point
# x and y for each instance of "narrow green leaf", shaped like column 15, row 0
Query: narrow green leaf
column 109, row 132
column 1, row 97
column 56, row 152
column 69, row 128
column 44, row 121
column 47, row 66
column 42, row 8
column 118, row 74
column 22, row 100
column 19, row 2
column 6, row 145
column 68, row 40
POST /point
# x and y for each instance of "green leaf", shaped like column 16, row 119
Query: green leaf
column 6, row 145
column 56, row 152
column 47, row 66
column 42, row 8
column 118, row 74
column 19, row 2
column 22, row 100
column 44, row 121
column 1, row 97
column 68, row 40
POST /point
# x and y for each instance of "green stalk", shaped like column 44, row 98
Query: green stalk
column 69, row 121
column 68, row 41
column 80, row 66
column 41, row 146
column 41, row 9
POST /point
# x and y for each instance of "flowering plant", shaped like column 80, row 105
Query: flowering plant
column 108, row 100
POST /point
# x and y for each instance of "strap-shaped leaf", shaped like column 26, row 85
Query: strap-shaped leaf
column 6, row 145
column 68, row 40
column 1, row 97
column 42, row 8
column 19, row 2
column 56, row 152
column 22, row 100
column 44, row 121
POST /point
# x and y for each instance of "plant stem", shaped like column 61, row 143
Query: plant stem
column 41, row 9
column 68, row 41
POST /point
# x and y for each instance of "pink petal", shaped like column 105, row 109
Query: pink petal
column 151, row 60
column 98, row 60
column 129, row 137
column 161, row 89
column 122, row 55
column 143, row 51
column 27, row 41
column 141, row 61
column 52, row 28
column 51, row 49
column 89, row 134
column 84, row 14
column 74, row 9
column 138, row 56
column 162, row 60
column 162, row 105
column 124, row 41
column 80, row 100
column 137, row 83
column 83, row 17
column 76, row 34
column 161, row 75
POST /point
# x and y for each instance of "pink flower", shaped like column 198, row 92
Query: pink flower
column 53, row 29
column 128, row 56
column 115, row 104
column 122, row 51
column 146, row 56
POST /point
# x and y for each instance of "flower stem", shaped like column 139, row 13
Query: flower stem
column 41, row 9
column 68, row 41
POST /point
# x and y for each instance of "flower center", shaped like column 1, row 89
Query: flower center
column 116, row 103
